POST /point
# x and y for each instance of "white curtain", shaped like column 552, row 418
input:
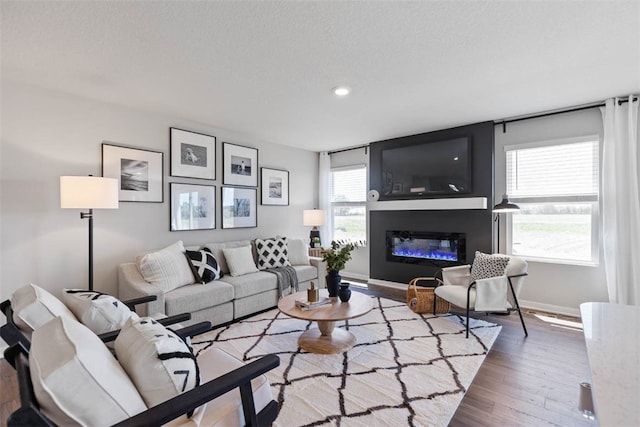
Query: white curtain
column 324, row 198
column 621, row 201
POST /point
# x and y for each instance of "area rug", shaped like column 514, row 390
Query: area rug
column 406, row 368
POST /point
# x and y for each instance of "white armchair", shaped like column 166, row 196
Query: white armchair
column 487, row 294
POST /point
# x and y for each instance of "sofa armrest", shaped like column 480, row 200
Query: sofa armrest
column 132, row 285
column 321, row 266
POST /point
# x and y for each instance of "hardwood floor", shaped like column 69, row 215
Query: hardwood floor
column 532, row 381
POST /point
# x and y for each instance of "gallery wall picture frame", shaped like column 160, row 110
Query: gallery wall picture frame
column 239, row 207
column 193, row 155
column 140, row 172
column 239, row 165
column 275, row 187
column 193, row 207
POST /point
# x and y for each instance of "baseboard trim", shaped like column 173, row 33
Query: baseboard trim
column 550, row 308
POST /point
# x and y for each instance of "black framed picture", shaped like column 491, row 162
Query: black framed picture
column 239, row 207
column 192, row 207
column 193, row 155
column 139, row 172
column 275, row 187
column 240, row 165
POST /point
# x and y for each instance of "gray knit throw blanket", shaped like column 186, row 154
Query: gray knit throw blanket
column 287, row 280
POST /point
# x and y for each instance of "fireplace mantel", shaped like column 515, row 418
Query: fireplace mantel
column 451, row 203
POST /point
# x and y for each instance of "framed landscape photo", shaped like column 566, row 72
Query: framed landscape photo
column 192, row 207
column 239, row 207
column 193, row 155
column 139, row 172
column 240, row 165
column 275, row 187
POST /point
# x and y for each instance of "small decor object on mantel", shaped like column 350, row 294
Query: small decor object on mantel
column 336, row 257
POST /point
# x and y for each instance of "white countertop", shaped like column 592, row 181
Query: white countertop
column 612, row 335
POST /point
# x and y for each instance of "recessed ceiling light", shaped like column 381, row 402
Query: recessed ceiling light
column 456, row 158
column 341, row 90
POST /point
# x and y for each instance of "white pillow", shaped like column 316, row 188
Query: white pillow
column 167, row 268
column 158, row 361
column 298, row 252
column 99, row 312
column 33, row 307
column 272, row 253
column 76, row 379
column 239, row 260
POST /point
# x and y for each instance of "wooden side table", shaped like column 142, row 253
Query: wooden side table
column 315, row 252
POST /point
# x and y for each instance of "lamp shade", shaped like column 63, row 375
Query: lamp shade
column 505, row 206
column 313, row 217
column 88, row 192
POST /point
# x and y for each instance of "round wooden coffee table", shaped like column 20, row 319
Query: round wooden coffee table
column 325, row 339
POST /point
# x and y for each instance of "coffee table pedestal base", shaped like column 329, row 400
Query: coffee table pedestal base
column 326, row 339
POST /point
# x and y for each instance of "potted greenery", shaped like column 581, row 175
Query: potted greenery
column 336, row 257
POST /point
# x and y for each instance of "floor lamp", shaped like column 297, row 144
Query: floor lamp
column 313, row 218
column 88, row 192
column 504, row 206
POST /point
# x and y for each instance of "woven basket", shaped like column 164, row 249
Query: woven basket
column 420, row 299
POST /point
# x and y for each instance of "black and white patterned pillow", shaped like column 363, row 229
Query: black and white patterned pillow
column 204, row 265
column 486, row 266
column 272, row 253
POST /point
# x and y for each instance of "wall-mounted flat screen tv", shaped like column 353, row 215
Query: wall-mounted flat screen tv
column 426, row 169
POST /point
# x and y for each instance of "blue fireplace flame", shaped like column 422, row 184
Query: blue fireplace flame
column 424, row 254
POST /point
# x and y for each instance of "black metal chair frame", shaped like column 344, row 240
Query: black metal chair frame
column 473, row 284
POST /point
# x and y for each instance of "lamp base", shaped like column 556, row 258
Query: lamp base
column 313, row 235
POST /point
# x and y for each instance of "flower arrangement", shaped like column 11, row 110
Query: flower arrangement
column 337, row 256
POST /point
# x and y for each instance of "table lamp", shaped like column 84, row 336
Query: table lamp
column 313, row 218
column 88, row 192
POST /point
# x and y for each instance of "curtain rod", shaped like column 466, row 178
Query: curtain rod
column 562, row 111
column 366, row 147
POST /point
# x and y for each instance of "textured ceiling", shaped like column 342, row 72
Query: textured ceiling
column 266, row 69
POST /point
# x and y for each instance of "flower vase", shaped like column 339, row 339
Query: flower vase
column 344, row 293
column 333, row 283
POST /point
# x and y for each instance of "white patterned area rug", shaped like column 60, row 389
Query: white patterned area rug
column 406, row 368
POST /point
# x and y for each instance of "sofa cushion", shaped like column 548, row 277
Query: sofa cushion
column 204, row 265
column 192, row 298
column 251, row 284
column 216, row 250
column 272, row 253
column 33, row 307
column 240, row 260
column 159, row 362
column 97, row 311
column 486, row 266
column 306, row 273
column 298, row 252
column 66, row 361
column 167, row 268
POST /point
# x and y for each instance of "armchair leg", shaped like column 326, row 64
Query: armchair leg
column 515, row 299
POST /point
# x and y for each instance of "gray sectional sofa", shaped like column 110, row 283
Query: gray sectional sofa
column 225, row 299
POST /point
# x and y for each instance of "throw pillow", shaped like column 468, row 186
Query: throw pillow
column 76, row 379
column 298, row 252
column 99, row 312
column 167, row 268
column 204, row 265
column 240, row 260
column 33, row 307
column 158, row 361
column 486, row 266
column 272, row 253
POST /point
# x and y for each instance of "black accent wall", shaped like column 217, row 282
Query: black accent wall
column 476, row 223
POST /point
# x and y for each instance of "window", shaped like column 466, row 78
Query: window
column 556, row 185
column 349, row 203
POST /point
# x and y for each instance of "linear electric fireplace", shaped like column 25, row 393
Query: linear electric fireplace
column 425, row 247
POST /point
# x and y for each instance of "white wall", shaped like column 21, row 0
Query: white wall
column 554, row 287
column 48, row 134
